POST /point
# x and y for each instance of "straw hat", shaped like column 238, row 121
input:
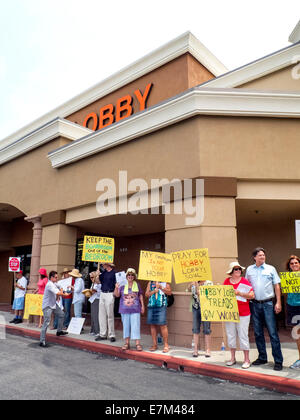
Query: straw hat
column 87, row 293
column 232, row 265
column 131, row 271
column 66, row 270
column 108, row 263
column 75, row 273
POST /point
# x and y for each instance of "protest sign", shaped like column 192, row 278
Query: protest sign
column 290, row 282
column 218, row 304
column 98, row 249
column 75, row 325
column 191, row 265
column 155, row 266
column 33, row 305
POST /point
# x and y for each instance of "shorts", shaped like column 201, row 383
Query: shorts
column 197, row 323
column 293, row 314
column 18, row 304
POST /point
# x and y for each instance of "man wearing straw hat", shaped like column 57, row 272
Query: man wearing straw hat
column 106, row 303
column 66, row 300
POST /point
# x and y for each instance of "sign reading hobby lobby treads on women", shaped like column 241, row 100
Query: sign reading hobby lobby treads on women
column 98, row 249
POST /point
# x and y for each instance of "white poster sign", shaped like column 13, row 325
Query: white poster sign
column 75, row 326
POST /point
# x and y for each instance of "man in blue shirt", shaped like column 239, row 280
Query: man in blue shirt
column 265, row 281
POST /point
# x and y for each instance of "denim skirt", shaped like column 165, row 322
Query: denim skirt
column 157, row 315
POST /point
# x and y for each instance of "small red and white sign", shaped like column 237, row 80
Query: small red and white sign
column 14, row 264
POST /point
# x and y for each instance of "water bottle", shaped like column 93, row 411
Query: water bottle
column 159, row 339
column 223, row 346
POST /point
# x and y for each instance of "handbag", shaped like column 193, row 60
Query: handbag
column 170, row 300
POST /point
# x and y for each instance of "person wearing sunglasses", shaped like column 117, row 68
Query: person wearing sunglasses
column 293, row 305
column 244, row 292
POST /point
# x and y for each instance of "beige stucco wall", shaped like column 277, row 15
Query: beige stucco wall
column 283, row 80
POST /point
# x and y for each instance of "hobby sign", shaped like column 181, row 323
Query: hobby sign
column 109, row 113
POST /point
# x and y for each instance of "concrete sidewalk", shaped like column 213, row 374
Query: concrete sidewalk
column 288, row 380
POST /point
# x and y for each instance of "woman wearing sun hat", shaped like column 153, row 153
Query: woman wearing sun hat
column 244, row 293
column 131, row 308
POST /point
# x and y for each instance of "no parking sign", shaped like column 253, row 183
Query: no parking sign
column 14, row 264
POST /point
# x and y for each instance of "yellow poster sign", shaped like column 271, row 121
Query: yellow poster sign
column 155, row 266
column 290, row 282
column 33, row 305
column 218, row 304
column 98, row 249
column 191, row 265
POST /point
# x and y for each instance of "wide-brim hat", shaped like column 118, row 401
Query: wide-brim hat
column 131, row 271
column 75, row 273
column 232, row 265
column 87, row 293
column 65, row 270
column 109, row 263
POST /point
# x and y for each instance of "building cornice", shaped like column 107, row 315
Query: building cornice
column 196, row 101
column 186, row 43
column 257, row 69
column 44, row 134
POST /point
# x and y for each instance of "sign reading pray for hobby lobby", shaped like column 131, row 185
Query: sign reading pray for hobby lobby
column 111, row 113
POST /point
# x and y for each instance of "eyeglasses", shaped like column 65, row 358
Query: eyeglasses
column 237, row 269
column 132, row 275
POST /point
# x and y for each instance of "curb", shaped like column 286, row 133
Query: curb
column 271, row 382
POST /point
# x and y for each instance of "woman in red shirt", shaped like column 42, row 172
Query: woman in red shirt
column 244, row 293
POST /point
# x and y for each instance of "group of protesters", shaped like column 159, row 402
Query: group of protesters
column 258, row 296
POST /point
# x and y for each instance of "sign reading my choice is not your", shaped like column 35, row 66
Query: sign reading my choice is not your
column 290, row 282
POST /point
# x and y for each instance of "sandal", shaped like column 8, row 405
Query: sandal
column 126, row 347
column 166, row 349
column 153, row 348
column 139, row 347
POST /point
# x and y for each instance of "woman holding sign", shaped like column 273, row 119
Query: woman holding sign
column 244, row 292
column 157, row 311
column 131, row 308
column 293, row 304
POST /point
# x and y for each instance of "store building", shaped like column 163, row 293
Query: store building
column 177, row 113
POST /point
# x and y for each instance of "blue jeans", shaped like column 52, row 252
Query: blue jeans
column 78, row 309
column 263, row 314
column 131, row 326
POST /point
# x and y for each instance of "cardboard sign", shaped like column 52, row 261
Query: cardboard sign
column 33, row 305
column 218, row 304
column 290, row 282
column 98, row 249
column 191, row 265
column 76, row 325
column 14, row 264
column 155, row 266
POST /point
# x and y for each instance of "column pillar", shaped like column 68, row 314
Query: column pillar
column 218, row 234
column 58, row 247
column 36, row 249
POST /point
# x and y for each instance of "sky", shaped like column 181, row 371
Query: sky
column 52, row 50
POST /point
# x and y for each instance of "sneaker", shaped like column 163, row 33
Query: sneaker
column 112, row 339
column 13, row 321
column 43, row 344
column 18, row 321
column 295, row 365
